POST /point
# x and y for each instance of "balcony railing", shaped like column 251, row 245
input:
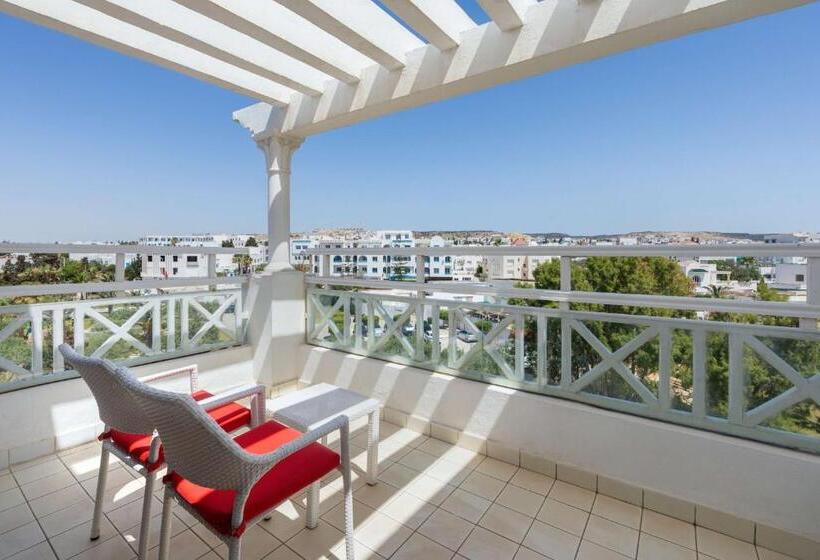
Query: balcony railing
column 129, row 322
column 700, row 362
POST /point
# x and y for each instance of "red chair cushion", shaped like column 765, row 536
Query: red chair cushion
column 230, row 416
column 286, row 478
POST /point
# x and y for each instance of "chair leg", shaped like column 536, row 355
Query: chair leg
column 165, row 528
column 373, row 448
column 102, row 476
column 348, row 491
column 235, row 549
column 145, row 524
column 313, row 505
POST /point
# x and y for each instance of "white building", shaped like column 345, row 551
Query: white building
column 196, row 264
column 789, row 276
column 702, row 274
column 365, row 264
column 466, row 267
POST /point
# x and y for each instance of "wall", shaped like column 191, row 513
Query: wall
column 765, row 484
column 39, row 420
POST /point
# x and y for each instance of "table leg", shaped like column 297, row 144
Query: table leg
column 373, row 447
column 312, row 516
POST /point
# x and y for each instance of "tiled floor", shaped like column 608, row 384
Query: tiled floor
column 434, row 501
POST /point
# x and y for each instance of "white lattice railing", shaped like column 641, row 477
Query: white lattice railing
column 129, row 330
column 723, row 374
column 557, row 352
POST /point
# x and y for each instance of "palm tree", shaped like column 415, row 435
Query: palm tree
column 717, row 291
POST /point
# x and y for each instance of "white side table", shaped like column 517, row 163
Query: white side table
column 312, row 406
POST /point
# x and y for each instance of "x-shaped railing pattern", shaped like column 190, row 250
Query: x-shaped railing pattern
column 18, row 322
column 803, row 388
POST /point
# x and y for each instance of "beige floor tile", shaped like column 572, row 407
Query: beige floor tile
column 521, row 500
column 19, row 539
column 486, row 545
column 208, row 537
column 336, row 515
column 15, row 517
column 419, row 547
column 281, row 553
column 446, row 529
column 723, row 547
column 563, row 516
column 617, row 537
column 130, row 514
column 668, row 528
column 10, row 498
column 766, row 554
column 398, row 475
column 506, row 522
column 483, row 485
column 532, row 481
column 551, row 541
column 617, row 511
column 417, row 460
column 214, row 556
column 360, row 552
column 376, row 496
column 131, row 535
column 256, row 544
column 67, row 518
column 572, row 495
column 497, row 469
column 113, row 548
column 39, row 471
column 76, row 540
column 435, row 447
column 466, row 505
column 591, row 551
column 382, row 534
column 56, row 501
column 47, row 485
column 527, row 554
column 430, row 489
column 30, row 463
column 448, row 471
column 286, row 521
column 184, row 546
column 7, row 482
column 41, row 551
column 654, row 548
column 316, row 544
column 408, row 510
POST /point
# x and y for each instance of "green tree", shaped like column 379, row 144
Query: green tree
column 251, row 242
column 227, row 243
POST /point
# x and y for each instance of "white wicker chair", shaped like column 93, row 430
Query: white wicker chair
column 130, row 434
column 229, row 483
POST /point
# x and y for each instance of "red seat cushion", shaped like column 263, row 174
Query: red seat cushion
column 286, row 478
column 230, row 416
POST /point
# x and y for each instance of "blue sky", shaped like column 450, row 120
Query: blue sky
column 717, row 131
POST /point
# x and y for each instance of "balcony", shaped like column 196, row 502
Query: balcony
column 639, row 448
column 552, row 422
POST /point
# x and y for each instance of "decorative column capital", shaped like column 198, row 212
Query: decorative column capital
column 278, row 150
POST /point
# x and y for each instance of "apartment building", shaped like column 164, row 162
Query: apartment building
column 364, row 265
column 196, row 265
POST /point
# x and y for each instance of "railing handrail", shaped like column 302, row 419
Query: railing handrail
column 21, row 290
column 672, row 250
column 104, row 249
column 785, row 309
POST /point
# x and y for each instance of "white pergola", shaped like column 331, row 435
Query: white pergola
column 316, row 65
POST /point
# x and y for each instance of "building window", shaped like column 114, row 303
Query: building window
column 175, row 271
column 162, row 258
column 176, row 258
column 192, row 259
column 799, row 277
column 447, row 271
column 150, row 258
column 436, row 271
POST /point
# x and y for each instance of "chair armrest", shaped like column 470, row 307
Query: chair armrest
column 191, row 370
column 231, row 395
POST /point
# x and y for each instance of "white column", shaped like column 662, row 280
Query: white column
column 278, row 152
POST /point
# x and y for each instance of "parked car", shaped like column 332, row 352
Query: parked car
column 466, row 336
